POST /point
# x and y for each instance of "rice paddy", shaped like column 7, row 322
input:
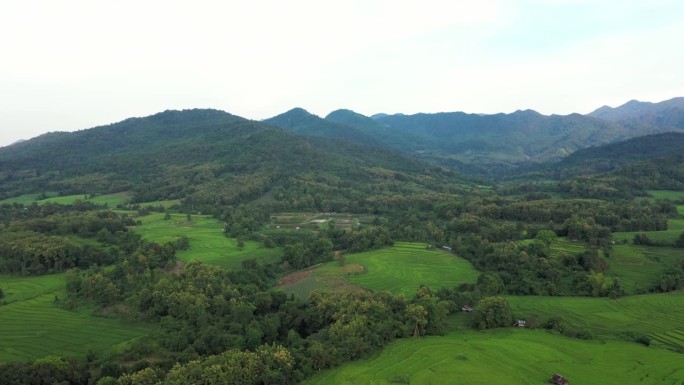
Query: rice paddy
column 207, row 240
column 400, row 269
column 34, row 327
column 509, row 357
column 659, row 316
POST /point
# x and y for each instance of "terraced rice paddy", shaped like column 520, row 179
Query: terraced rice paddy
column 34, row 327
column 638, row 267
column 110, row 200
column 207, row 240
column 403, row 268
column 659, row 316
column 399, row 269
column 562, row 246
column 672, row 195
column 675, row 227
column 509, row 357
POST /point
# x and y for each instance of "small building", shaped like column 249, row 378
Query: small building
column 520, row 323
column 557, row 379
column 466, row 308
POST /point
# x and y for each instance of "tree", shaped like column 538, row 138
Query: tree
column 492, row 312
column 490, row 284
column 417, row 315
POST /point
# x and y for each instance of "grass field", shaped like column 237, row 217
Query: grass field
column 399, row 269
column 639, row 266
column 675, row 227
column 110, row 199
column 667, row 194
column 207, row 240
column 660, row 316
column 509, row 357
column 564, row 246
column 33, row 327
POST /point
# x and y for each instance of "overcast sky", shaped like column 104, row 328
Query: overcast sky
column 68, row 65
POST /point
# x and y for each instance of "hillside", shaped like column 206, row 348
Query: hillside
column 206, row 157
column 611, row 156
column 302, row 122
column 665, row 114
column 488, row 145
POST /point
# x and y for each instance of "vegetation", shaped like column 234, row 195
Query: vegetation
column 502, row 356
column 159, row 261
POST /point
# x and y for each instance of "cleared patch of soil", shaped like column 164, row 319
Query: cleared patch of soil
column 295, row 277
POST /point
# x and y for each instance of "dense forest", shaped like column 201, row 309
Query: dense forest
column 216, row 325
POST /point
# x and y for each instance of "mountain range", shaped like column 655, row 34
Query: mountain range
column 487, row 145
column 185, row 154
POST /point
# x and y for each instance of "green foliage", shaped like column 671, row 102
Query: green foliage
column 492, row 312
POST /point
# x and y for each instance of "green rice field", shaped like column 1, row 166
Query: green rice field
column 638, row 267
column 404, row 267
column 207, row 240
column 34, row 327
column 110, row 200
column 672, row 195
column 659, row 316
column 509, row 357
column 675, row 227
column 399, row 269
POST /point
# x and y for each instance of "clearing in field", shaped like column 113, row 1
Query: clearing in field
column 400, row 269
column 509, row 357
column 34, row 327
column 316, row 221
column 659, row 316
column 208, row 243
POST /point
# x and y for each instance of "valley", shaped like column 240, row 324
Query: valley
column 198, row 246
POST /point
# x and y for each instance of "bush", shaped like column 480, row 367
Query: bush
column 644, row 340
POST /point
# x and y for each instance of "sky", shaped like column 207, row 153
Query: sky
column 67, row 65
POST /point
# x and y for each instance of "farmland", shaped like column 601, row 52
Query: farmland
column 639, row 266
column 509, row 357
column 207, row 240
column 399, row 269
column 34, row 327
column 659, row 316
column 110, row 200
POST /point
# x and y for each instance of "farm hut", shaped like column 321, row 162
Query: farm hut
column 521, row 323
column 466, row 308
column 557, row 379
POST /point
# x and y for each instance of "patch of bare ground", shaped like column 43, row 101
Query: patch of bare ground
column 295, row 277
column 354, row 269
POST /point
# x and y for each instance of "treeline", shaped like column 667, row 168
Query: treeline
column 219, row 324
column 41, row 240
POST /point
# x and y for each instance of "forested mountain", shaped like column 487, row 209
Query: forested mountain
column 611, row 156
column 665, row 114
column 209, row 157
column 302, row 122
column 515, row 137
column 482, row 145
